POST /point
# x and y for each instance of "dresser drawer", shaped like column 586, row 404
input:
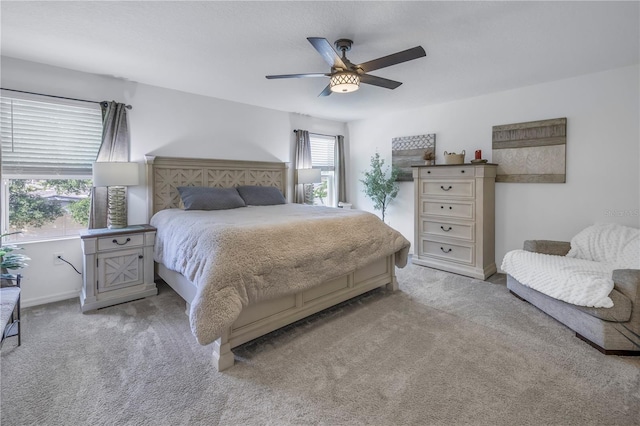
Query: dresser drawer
column 443, row 229
column 120, row 241
column 449, row 251
column 448, row 188
column 448, row 171
column 452, row 209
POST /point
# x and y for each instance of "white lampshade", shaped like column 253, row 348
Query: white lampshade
column 344, row 82
column 306, row 176
column 115, row 174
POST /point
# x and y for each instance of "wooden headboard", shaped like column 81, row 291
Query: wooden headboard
column 166, row 174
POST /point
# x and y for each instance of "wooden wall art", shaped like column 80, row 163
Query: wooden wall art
column 532, row 152
column 407, row 151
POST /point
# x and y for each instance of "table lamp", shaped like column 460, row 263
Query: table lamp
column 116, row 176
column 307, row 176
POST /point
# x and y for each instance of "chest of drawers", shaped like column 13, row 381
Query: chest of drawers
column 455, row 218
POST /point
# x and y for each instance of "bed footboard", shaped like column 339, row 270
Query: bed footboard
column 264, row 317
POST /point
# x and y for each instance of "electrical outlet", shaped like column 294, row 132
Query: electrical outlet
column 56, row 258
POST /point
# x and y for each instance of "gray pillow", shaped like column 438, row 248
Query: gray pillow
column 261, row 195
column 205, row 198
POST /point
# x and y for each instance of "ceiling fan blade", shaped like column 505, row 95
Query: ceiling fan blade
column 379, row 81
column 328, row 53
column 396, row 58
column 326, row 91
column 317, row 74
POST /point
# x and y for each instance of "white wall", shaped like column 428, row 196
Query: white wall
column 162, row 122
column 603, row 154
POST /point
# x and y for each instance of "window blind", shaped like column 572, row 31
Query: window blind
column 45, row 140
column 322, row 152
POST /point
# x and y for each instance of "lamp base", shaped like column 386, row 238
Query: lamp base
column 117, row 209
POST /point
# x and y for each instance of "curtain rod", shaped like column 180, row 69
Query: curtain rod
column 58, row 97
column 321, row 134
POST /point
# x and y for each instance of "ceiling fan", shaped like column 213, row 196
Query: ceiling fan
column 346, row 76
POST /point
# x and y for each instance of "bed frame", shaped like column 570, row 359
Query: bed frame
column 165, row 174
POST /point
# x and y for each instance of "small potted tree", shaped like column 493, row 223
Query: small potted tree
column 380, row 184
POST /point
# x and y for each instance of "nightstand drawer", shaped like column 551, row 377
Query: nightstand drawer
column 124, row 268
column 120, row 242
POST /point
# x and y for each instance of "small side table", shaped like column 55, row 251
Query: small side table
column 10, row 301
column 118, row 266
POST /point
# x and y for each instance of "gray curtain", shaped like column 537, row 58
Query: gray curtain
column 302, row 161
column 341, row 181
column 115, row 147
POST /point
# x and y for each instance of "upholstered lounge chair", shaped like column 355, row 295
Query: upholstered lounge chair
column 613, row 331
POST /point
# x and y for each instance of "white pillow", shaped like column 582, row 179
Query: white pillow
column 612, row 243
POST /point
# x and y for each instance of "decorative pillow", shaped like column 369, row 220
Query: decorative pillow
column 205, row 198
column 261, row 195
column 608, row 242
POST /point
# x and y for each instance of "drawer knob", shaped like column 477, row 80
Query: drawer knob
column 445, row 230
column 445, row 189
column 429, row 171
column 121, row 244
column 461, row 171
column 450, row 208
column 445, row 251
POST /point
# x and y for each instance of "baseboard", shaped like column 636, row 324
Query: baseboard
column 608, row 351
column 26, row 303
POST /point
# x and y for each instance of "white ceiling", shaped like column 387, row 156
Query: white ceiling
column 225, row 49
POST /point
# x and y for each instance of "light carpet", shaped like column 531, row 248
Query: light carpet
column 444, row 350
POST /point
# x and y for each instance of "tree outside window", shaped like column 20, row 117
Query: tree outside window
column 45, row 208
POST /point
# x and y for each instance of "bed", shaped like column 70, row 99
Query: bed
column 232, row 301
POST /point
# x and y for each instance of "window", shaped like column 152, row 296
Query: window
column 323, row 158
column 47, row 151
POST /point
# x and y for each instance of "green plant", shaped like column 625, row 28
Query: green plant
column 9, row 259
column 380, row 184
column 80, row 211
column 28, row 209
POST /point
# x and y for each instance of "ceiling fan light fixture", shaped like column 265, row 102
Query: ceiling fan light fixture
column 344, row 82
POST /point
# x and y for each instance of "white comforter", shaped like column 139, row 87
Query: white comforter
column 242, row 256
column 584, row 276
column 577, row 281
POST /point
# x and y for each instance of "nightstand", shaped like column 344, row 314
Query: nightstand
column 118, row 265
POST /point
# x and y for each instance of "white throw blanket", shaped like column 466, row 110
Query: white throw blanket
column 577, row 281
column 241, row 256
column 584, row 276
column 608, row 242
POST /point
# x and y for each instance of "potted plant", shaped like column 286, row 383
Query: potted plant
column 428, row 157
column 380, row 184
column 10, row 260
